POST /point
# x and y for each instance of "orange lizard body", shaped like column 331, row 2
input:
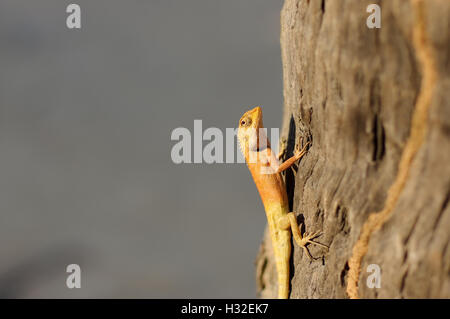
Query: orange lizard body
column 263, row 165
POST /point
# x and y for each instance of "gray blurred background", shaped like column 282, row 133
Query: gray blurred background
column 86, row 173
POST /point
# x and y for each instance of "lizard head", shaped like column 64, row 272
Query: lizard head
column 248, row 131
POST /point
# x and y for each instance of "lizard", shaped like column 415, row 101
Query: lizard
column 266, row 172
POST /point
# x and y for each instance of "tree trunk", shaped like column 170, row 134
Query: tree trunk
column 375, row 104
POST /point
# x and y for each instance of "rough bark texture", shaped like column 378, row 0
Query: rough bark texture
column 376, row 105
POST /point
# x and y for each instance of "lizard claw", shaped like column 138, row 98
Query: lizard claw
column 308, row 239
column 316, row 234
column 300, row 146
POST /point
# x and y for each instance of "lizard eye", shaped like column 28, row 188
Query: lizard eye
column 246, row 122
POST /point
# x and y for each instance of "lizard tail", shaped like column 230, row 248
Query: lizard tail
column 283, row 280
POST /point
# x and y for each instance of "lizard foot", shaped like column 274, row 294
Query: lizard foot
column 308, row 239
column 302, row 240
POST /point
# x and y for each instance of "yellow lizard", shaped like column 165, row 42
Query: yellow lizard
column 263, row 165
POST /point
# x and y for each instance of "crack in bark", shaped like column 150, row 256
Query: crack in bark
column 443, row 207
column 379, row 139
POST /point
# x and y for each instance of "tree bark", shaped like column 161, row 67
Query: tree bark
column 375, row 104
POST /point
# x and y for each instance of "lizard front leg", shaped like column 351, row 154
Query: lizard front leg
column 290, row 161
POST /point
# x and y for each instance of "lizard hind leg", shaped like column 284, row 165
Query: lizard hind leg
column 304, row 240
